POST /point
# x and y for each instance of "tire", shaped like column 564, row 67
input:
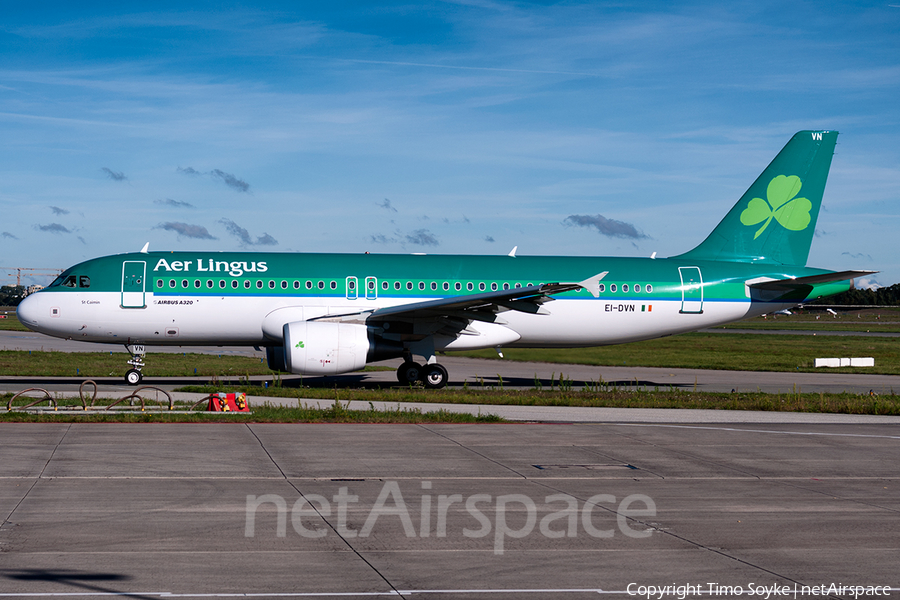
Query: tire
column 435, row 376
column 409, row 373
column 133, row 377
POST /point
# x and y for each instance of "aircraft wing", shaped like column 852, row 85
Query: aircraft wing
column 482, row 306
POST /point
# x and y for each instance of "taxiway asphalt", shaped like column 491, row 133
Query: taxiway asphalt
column 445, row 511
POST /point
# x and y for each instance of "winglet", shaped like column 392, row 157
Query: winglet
column 592, row 284
column 146, row 248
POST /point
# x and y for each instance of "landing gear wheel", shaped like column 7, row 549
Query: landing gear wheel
column 435, row 376
column 133, row 377
column 409, row 373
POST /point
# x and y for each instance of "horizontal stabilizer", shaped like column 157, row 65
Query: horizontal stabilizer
column 781, row 284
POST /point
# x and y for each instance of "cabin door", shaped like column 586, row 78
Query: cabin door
column 691, row 290
column 134, row 283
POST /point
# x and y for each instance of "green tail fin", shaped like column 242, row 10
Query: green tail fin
column 774, row 221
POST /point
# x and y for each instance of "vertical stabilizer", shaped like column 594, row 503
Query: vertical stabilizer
column 774, row 221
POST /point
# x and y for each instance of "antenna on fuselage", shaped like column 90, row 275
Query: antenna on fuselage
column 512, row 252
column 146, row 248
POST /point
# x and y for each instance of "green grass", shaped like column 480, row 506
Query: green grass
column 747, row 352
column 594, row 395
column 11, row 322
column 113, row 364
column 337, row 413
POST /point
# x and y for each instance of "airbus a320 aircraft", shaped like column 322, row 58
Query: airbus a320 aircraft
column 321, row 314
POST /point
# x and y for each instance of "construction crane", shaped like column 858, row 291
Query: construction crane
column 28, row 271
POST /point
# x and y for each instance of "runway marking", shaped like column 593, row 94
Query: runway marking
column 301, row 594
column 862, row 435
column 323, row 594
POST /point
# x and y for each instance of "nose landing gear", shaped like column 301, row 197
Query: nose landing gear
column 134, row 376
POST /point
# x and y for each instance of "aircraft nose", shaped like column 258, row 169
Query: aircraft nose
column 28, row 311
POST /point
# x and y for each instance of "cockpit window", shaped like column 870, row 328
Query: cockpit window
column 84, row 281
column 70, row 281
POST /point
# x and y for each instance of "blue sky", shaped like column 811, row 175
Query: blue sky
column 440, row 127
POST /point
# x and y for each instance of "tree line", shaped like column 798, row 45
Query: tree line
column 883, row 296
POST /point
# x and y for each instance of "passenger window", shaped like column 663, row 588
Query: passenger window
column 612, row 288
column 308, row 284
column 493, row 287
column 321, row 285
column 184, row 283
column 602, row 288
column 458, row 286
column 222, row 284
column 271, row 285
column 284, row 285
column 258, row 284
column 518, row 285
column 637, row 288
column 172, row 283
column 421, row 285
column 333, row 285
column 397, row 285
column 625, row 287
column 384, row 285
column 433, row 286
column 234, row 284
column 481, row 286
column 470, row 286
column 446, row 286
column 197, row 283
column 296, row 285
column 649, row 288
column 209, row 283
column 247, row 285
column 409, row 285
column 505, row 286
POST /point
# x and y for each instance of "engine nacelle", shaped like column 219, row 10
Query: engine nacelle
column 314, row 348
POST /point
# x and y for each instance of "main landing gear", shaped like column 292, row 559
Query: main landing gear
column 134, row 376
column 432, row 376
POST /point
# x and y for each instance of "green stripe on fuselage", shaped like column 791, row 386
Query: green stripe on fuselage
column 287, row 274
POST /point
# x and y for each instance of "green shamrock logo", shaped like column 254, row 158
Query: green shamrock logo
column 782, row 205
column 299, row 345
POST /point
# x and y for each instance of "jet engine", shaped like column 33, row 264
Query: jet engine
column 321, row 348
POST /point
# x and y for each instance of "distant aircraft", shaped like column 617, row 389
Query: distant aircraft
column 322, row 314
